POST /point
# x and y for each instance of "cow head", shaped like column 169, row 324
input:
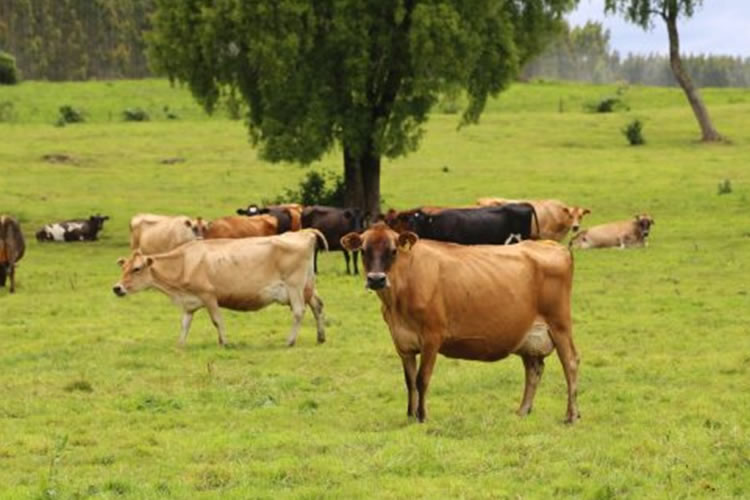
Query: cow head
column 198, row 226
column 136, row 274
column 575, row 216
column 644, row 222
column 380, row 248
column 96, row 222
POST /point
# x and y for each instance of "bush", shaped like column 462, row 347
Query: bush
column 607, row 105
column 634, row 133
column 8, row 69
column 313, row 191
column 69, row 114
column 135, row 115
column 725, row 186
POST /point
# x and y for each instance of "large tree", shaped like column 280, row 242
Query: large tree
column 361, row 75
column 641, row 12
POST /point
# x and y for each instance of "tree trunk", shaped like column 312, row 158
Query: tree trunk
column 362, row 181
column 708, row 131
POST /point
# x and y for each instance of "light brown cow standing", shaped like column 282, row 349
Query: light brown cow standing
column 556, row 218
column 626, row 233
column 153, row 233
column 240, row 226
column 478, row 302
column 244, row 274
column 12, row 248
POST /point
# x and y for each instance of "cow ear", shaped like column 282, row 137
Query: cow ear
column 351, row 241
column 188, row 223
column 121, row 261
column 652, row 221
column 149, row 261
column 406, row 240
column 568, row 211
column 586, row 211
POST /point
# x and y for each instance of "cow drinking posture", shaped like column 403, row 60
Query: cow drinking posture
column 626, row 233
column 243, row 274
column 12, row 248
column 471, row 302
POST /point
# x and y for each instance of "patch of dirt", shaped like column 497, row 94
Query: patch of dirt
column 172, row 161
column 61, row 158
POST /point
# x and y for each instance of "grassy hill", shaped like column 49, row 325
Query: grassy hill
column 97, row 400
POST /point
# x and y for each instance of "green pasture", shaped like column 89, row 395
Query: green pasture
column 97, row 401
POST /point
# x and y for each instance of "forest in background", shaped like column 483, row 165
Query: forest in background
column 60, row 40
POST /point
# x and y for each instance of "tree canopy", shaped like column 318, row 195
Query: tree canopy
column 360, row 74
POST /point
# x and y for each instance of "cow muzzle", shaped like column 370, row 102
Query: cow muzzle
column 376, row 281
column 119, row 290
column 575, row 228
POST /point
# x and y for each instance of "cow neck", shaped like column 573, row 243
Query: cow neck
column 165, row 280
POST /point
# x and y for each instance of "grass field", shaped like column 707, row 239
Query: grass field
column 97, row 401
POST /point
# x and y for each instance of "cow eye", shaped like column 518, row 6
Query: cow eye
column 137, row 269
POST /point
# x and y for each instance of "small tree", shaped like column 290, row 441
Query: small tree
column 641, row 12
column 8, row 69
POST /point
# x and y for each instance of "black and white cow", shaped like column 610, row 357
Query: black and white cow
column 73, row 230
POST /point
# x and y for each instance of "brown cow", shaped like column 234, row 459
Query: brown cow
column 556, row 218
column 288, row 215
column 478, row 302
column 239, row 226
column 12, row 248
column 627, row 233
column 243, row 274
column 153, row 233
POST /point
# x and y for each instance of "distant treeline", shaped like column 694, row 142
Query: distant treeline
column 76, row 39
column 583, row 54
column 103, row 39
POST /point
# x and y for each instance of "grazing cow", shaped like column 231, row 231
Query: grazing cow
column 556, row 218
column 399, row 221
column 12, row 248
column 627, row 233
column 238, row 226
column 73, row 230
column 334, row 223
column 477, row 226
column 243, row 274
column 153, row 233
column 288, row 216
column 478, row 302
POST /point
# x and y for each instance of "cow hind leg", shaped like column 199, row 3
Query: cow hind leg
column 2, row 275
column 12, row 275
column 297, row 304
column 561, row 334
column 218, row 321
column 534, row 366
column 316, row 305
column 426, row 365
column 355, row 258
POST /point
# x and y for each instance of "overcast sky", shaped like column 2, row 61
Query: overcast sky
column 718, row 27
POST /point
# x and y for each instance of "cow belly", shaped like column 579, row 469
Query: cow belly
column 474, row 348
column 252, row 301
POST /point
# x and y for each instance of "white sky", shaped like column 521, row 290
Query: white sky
column 717, row 27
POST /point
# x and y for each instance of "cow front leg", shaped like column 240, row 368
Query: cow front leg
column 534, row 366
column 346, row 258
column 297, row 304
column 218, row 321
column 410, row 377
column 187, row 320
column 316, row 304
column 426, row 365
column 355, row 258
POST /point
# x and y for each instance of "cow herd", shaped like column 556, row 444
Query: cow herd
column 475, row 282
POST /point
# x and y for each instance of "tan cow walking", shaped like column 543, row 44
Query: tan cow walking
column 556, row 218
column 243, row 274
column 622, row 234
column 478, row 302
column 152, row 233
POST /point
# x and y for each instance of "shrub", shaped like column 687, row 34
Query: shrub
column 634, row 133
column 69, row 114
column 8, row 69
column 313, row 191
column 135, row 115
column 725, row 186
column 607, row 105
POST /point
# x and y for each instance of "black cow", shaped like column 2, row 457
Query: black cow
column 288, row 216
column 477, row 226
column 73, row 230
column 334, row 223
column 12, row 248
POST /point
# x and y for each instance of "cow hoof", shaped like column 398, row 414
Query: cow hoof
column 290, row 343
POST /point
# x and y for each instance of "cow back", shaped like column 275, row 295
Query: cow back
column 333, row 222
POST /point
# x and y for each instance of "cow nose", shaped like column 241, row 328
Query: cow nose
column 376, row 281
column 575, row 227
column 118, row 290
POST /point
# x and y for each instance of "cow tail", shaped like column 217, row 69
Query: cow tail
column 321, row 239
